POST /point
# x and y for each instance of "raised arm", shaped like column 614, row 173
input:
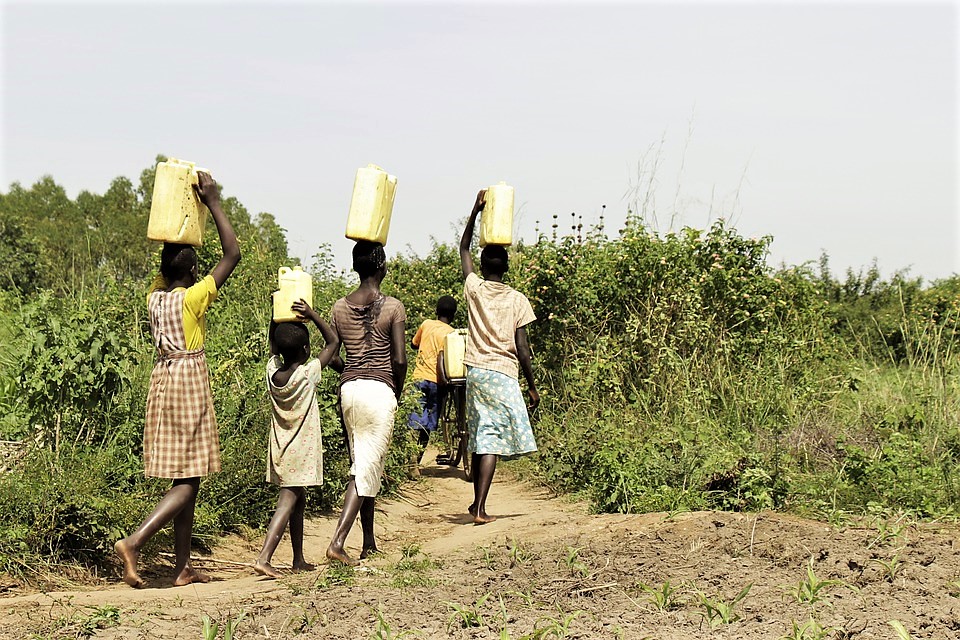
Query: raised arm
column 526, row 365
column 466, row 260
column 209, row 194
column 398, row 356
column 332, row 341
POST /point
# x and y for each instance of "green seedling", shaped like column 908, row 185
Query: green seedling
column 336, row 575
column 210, row 628
column 953, row 587
column 487, row 557
column 527, row 597
column 901, row 630
column 890, row 567
column 887, row 533
column 467, row 616
column 554, row 627
column 518, row 554
column 809, row 630
column 717, row 611
column 809, row 590
column 306, row 621
column 412, row 568
column 573, row 563
column 230, row 626
column 100, row 618
column 664, row 597
column 383, row 631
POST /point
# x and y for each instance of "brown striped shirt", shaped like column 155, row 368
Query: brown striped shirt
column 365, row 331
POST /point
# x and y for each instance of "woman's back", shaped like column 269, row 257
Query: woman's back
column 365, row 331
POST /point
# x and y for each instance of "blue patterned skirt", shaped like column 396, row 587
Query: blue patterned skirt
column 497, row 415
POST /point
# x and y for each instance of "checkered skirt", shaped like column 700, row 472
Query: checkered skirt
column 180, row 438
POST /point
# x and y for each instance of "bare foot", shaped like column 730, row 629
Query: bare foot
column 482, row 518
column 303, row 565
column 472, row 510
column 366, row 552
column 266, row 569
column 189, row 575
column 341, row 556
column 129, row 558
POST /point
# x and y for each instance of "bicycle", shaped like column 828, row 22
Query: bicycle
column 452, row 422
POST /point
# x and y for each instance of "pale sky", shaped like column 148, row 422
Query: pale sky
column 831, row 126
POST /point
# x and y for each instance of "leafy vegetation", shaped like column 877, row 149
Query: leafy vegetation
column 678, row 371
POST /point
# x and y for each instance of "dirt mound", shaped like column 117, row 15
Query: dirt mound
column 545, row 569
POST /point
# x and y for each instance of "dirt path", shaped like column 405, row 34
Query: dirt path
column 545, row 569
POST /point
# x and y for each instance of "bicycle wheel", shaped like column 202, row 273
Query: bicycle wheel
column 463, row 436
column 448, row 429
column 457, row 443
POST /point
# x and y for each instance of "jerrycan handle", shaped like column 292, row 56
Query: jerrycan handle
column 284, row 271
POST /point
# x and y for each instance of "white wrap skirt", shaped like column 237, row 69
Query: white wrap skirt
column 368, row 409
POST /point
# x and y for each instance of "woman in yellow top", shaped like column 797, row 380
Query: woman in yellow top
column 180, row 439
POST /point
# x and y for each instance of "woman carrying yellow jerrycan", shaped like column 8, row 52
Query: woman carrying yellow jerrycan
column 497, row 348
column 180, row 439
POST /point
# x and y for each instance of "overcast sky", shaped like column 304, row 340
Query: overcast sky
column 831, row 127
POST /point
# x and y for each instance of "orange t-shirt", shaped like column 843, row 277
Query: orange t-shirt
column 429, row 342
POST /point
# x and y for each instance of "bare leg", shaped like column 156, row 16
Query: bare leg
column 182, row 493
column 296, row 532
column 351, row 507
column 484, row 465
column 366, row 523
column 286, row 502
column 183, row 534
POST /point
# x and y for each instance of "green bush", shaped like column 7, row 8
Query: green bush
column 677, row 371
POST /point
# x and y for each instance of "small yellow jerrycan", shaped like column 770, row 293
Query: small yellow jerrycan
column 294, row 284
column 176, row 213
column 454, row 346
column 371, row 205
column 496, row 221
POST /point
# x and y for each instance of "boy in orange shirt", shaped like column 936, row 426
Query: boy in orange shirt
column 429, row 342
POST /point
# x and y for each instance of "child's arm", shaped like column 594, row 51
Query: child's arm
column 441, row 370
column 210, row 195
column 466, row 260
column 332, row 346
column 273, row 345
column 418, row 336
column 526, row 365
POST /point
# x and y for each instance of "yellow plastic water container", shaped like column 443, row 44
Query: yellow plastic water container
column 176, row 213
column 454, row 346
column 295, row 284
column 371, row 205
column 496, row 222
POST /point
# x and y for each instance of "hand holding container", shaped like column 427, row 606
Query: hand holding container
column 496, row 221
column 371, row 205
column 295, row 284
column 176, row 213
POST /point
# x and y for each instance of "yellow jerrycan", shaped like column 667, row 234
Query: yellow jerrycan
column 371, row 205
column 454, row 346
column 496, row 221
column 294, row 284
column 176, row 213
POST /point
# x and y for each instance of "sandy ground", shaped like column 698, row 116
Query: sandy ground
column 546, row 568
